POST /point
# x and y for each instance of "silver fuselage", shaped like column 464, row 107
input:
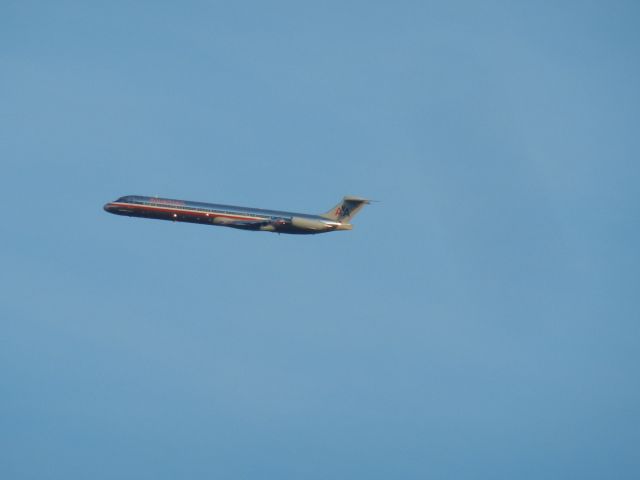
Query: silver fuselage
column 224, row 215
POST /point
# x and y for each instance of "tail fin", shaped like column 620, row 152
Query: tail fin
column 346, row 209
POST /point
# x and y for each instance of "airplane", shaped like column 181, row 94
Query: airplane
column 243, row 218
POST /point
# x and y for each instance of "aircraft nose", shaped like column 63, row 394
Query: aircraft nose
column 107, row 207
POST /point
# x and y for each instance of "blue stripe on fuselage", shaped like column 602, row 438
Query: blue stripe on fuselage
column 214, row 208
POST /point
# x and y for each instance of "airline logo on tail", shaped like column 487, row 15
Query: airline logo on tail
column 343, row 211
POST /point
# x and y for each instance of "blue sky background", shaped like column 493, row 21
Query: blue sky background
column 481, row 321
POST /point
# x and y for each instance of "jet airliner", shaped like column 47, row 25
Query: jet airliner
column 338, row 218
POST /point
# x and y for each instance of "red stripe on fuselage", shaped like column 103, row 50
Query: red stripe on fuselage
column 195, row 213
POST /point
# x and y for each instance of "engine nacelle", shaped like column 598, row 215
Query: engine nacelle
column 308, row 223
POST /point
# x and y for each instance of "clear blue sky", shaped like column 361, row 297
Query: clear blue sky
column 480, row 322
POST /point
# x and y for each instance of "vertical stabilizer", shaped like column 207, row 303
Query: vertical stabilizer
column 346, row 209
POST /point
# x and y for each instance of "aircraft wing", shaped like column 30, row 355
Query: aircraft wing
column 252, row 224
column 246, row 223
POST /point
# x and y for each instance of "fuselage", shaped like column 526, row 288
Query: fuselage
column 223, row 215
